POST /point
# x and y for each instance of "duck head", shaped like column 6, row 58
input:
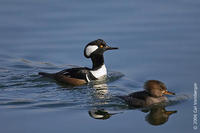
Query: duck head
column 97, row 47
column 156, row 88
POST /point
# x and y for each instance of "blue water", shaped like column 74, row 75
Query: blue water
column 157, row 40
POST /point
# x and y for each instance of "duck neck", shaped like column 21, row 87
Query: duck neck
column 97, row 61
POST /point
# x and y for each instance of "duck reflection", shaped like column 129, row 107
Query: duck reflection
column 100, row 91
column 100, row 114
column 157, row 115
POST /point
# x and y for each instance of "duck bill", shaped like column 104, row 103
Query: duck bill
column 110, row 48
column 170, row 112
column 168, row 93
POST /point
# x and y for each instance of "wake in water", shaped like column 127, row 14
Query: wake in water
column 21, row 87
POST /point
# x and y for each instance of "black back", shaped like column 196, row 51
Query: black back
column 78, row 73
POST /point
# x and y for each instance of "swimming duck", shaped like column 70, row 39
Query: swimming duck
column 82, row 75
column 154, row 93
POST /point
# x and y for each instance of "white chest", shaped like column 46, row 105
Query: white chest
column 99, row 72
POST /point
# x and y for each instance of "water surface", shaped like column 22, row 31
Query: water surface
column 157, row 40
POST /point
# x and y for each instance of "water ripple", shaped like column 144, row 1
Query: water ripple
column 22, row 87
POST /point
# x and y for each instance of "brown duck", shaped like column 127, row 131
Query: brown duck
column 154, row 93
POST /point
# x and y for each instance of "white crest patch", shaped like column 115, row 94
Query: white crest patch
column 102, row 71
column 90, row 50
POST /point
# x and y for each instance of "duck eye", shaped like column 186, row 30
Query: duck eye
column 101, row 46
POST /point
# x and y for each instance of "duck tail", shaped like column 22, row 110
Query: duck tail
column 122, row 97
column 49, row 75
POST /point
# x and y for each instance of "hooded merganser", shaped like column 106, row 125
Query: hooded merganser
column 82, row 75
column 154, row 93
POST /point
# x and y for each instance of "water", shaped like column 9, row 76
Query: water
column 157, row 40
